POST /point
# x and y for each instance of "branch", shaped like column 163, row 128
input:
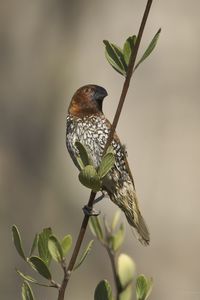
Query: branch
column 128, row 76
column 61, row 293
column 118, row 285
column 69, row 269
column 109, row 140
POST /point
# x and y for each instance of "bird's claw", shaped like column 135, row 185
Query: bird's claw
column 90, row 211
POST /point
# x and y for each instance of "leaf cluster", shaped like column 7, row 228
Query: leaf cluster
column 90, row 176
column 111, row 236
column 119, row 58
column 45, row 248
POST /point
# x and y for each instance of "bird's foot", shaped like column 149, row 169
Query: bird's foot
column 90, row 211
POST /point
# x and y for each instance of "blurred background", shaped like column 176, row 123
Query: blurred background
column 50, row 48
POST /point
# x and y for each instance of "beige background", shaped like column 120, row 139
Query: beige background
column 47, row 50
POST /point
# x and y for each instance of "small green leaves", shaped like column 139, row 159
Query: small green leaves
column 111, row 237
column 96, row 227
column 34, row 245
column 149, row 49
column 128, row 46
column 66, row 244
column 43, row 245
column 55, row 248
column 17, row 241
column 40, row 266
column 106, row 165
column 119, row 59
column 143, row 287
column 126, row 269
column 107, row 234
column 103, row 291
column 118, row 238
column 89, row 178
column 115, row 57
column 27, row 293
column 84, row 255
column 30, row 279
column 115, row 219
column 26, row 277
column 83, row 158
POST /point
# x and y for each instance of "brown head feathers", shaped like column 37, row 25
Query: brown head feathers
column 87, row 101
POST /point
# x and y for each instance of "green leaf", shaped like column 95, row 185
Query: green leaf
column 106, row 165
column 96, row 227
column 40, row 266
column 17, row 241
column 55, row 248
column 118, row 238
column 128, row 47
column 30, row 279
column 89, row 178
column 110, row 149
column 84, row 255
column 115, row 219
column 26, row 277
column 103, row 291
column 149, row 49
column 27, row 293
column 43, row 245
column 113, row 55
column 126, row 269
column 120, row 54
column 83, row 158
column 34, row 245
column 66, row 244
column 143, row 287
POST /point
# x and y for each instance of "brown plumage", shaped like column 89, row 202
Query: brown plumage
column 87, row 124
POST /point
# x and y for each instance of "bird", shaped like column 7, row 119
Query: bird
column 87, row 124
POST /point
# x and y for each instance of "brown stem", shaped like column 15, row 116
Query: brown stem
column 118, row 285
column 69, row 269
column 109, row 140
column 61, row 293
column 128, row 75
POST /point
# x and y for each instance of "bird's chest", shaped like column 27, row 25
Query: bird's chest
column 91, row 132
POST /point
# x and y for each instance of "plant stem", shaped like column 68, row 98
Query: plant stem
column 61, row 291
column 84, row 224
column 69, row 269
column 118, row 285
column 129, row 75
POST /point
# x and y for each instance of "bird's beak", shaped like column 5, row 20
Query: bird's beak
column 100, row 93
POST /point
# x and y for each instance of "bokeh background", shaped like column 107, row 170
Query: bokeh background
column 50, row 48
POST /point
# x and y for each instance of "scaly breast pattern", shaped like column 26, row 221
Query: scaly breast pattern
column 92, row 132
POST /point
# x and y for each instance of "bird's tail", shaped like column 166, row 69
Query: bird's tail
column 140, row 229
column 125, row 197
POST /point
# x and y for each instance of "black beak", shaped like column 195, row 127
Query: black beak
column 100, row 93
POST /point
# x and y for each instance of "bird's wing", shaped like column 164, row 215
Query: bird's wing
column 121, row 153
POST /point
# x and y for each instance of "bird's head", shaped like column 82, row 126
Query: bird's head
column 87, row 100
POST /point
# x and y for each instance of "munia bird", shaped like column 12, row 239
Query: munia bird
column 87, row 124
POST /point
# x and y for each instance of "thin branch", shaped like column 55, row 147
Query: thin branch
column 118, row 285
column 69, row 269
column 109, row 140
column 129, row 75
